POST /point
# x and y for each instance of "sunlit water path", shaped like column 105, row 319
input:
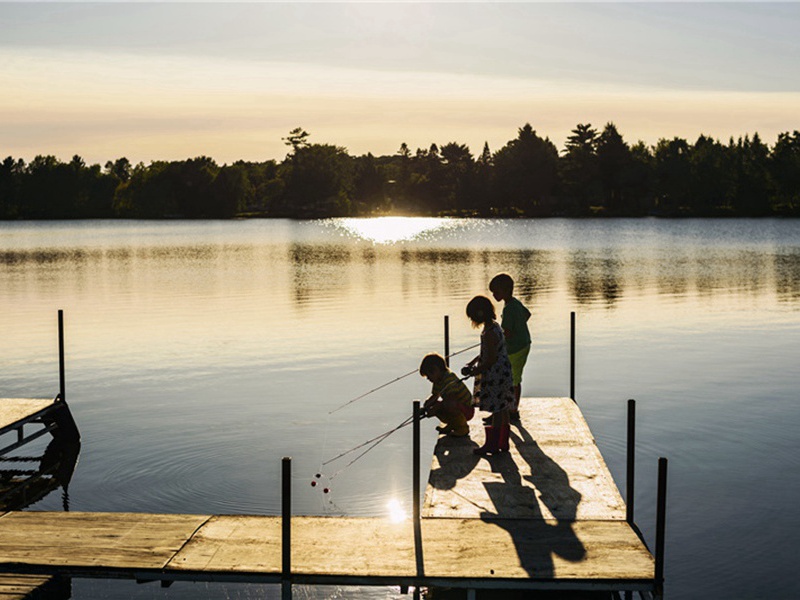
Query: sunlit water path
column 199, row 353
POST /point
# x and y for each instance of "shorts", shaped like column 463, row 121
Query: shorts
column 518, row 360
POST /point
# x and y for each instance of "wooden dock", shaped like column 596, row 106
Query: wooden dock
column 547, row 515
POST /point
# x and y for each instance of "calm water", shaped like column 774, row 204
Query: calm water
column 200, row 353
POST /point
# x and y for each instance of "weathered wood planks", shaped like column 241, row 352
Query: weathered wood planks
column 346, row 550
column 554, row 471
column 14, row 410
column 23, row 587
column 105, row 540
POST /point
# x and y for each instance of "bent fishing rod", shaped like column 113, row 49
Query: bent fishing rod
column 395, row 380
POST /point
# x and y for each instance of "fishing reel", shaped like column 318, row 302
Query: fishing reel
column 467, row 371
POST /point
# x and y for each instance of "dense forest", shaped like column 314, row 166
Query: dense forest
column 596, row 174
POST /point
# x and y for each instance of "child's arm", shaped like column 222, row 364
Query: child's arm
column 430, row 402
column 488, row 353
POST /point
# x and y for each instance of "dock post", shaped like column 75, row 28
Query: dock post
column 661, row 517
column 416, row 486
column 572, row 356
column 286, row 529
column 62, row 393
column 629, row 479
column 447, row 340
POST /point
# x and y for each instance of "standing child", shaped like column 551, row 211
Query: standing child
column 515, row 328
column 450, row 400
column 494, row 386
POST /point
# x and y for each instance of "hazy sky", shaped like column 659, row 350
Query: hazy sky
column 177, row 80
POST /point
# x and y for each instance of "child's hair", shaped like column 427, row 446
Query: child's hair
column 480, row 310
column 430, row 362
column 502, row 282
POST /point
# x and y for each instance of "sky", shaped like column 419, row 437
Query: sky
column 170, row 81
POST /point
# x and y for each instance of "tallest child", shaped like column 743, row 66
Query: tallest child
column 515, row 328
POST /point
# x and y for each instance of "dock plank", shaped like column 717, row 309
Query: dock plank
column 106, row 540
column 553, row 471
column 13, row 410
column 23, row 587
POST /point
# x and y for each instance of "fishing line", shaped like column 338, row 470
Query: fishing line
column 371, row 444
column 395, row 380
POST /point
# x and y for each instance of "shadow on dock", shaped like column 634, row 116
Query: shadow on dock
column 456, row 460
column 540, row 537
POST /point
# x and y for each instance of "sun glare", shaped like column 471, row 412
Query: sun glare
column 390, row 230
column 397, row 513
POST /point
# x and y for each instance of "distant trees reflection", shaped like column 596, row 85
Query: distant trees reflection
column 597, row 174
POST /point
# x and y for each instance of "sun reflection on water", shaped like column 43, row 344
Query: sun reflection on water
column 390, row 230
column 397, row 513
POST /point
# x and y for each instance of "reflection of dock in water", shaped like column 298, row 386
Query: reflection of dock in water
column 545, row 516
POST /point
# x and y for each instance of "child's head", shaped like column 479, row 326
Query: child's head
column 433, row 367
column 480, row 311
column 502, row 286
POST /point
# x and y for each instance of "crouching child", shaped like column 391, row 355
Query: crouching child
column 450, row 400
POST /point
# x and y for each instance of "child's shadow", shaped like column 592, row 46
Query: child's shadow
column 519, row 512
column 456, row 460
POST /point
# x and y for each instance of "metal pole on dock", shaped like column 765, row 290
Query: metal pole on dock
column 62, row 393
column 416, row 486
column 286, row 529
column 447, row 340
column 572, row 356
column 629, row 479
column 661, row 518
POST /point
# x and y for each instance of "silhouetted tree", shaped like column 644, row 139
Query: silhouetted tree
column 457, row 175
column 710, row 185
column 525, row 173
column 11, row 173
column 579, row 170
column 369, row 185
column 785, row 172
column 317, row 181
column 614, row 165
column 752, row 177
column 672, row 170
column 120, row 168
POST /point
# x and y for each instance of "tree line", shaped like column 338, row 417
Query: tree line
column 596, row 174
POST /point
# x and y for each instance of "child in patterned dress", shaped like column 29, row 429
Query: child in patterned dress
column 494, row 385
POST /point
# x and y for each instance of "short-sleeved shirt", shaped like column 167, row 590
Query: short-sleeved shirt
column 452, row 387
column 515, row 322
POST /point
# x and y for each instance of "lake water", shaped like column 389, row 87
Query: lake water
column 200, row 353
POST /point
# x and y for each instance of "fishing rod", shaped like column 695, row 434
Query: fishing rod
column 395, row 380
column 372, row 443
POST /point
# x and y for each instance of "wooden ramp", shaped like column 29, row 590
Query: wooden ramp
column 545, row 516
